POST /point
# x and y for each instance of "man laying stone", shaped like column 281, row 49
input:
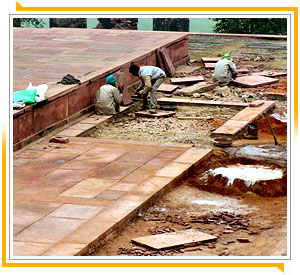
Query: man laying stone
column 225, row 70
column 108, row 98
column 152, row 77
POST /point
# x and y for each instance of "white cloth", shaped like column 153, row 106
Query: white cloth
column 224, row 70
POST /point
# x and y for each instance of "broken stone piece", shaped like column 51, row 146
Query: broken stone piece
column 243, row 240
column 58, row 139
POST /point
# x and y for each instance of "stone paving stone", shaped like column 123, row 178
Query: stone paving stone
column 210, row 59
column 63, row 249
column 110, row 195
column 138, row 156
column 80, row 126
column 172, row 169
column 30, row 248
column 188, row 79
column 70, row 132
column 49, row 230
column 194, row 155
column 84, row 164
column 153, row 185
column 167, row 88
column 271, row 74
column 90, row 231
column 200, row 87
column 117, row 170
column 94, row 120
column 123, row 186
column 55, row 182
column 254, row 80
column 27, row 212
column 209, row 66
column 82, row 206
column 170, row 154
column 74, row 211
column 88, row 188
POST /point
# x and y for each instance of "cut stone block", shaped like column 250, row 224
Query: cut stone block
column 187, row 80
column 167, row 88
column 210, row 59
column 196, row 88
column 170, row 70
column 58, row 139
column 160, row 60
column 159, row 114
column 177, row 238
column 209, row 65
column 254, row 80
column 272, row 74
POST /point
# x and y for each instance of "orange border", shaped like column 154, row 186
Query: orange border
column 21, row 8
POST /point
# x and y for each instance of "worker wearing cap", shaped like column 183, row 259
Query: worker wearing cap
column 108, row 98
column 152, row 77
column 225, row 70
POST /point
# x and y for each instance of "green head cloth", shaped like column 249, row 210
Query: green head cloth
column 110, row 79
column 226, row 55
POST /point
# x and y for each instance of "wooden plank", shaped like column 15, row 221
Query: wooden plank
column 173, row 239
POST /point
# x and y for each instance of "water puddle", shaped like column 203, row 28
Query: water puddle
column 249, row 173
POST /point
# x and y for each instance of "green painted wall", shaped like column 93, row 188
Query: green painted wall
column 91, row 23
column 145, row 24
column 201, row 25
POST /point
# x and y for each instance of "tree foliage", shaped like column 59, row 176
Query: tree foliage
column 251, row 25
column 34, row 22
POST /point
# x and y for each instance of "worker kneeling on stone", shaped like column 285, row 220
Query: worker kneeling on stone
column 225, row 70
column 108, row 98
column 152, row 77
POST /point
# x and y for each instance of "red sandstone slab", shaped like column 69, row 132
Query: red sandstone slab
column 63, row 249
column 254, row 81
column 194, row 155
column 271, row 74
column 159, row 114
column 173, row 239
column 167, row 88
column 248, row 114
column 73, row 211
column 88, row 188
column 173, row 169
column 49, row 230
column 209, row 66
column 167, row 61
column 230, row 128
column 70, row 132
column 187, row 80
column 30, row 248
column 210, row 59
